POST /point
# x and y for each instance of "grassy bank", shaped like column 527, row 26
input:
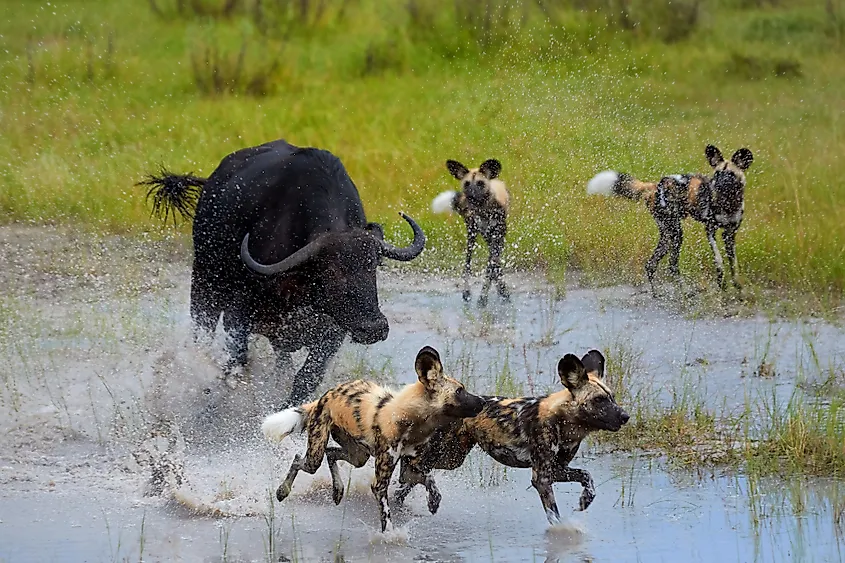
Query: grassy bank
column 95, row 95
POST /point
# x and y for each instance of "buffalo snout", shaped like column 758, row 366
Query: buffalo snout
column 371, row 332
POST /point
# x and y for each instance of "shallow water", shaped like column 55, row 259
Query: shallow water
column 96, row 349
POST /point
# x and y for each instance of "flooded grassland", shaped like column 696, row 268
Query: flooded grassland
column 730, row 455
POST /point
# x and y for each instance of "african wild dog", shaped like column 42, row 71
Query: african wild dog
column 368, row 420
column 542, row 433
column 483, row 205
column 716, row 201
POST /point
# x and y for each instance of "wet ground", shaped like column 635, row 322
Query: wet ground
column 96, row 351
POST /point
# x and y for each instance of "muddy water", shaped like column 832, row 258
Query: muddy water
column 95, row 347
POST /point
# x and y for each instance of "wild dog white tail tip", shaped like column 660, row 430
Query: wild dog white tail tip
column 282, row 424
column 602, row 183
column 443, row 202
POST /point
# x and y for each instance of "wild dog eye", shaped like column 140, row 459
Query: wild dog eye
column 466, row 184
column 460, row 392
column 480, row 184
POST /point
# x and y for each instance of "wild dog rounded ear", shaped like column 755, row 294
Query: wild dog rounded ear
column 490, row 168
column 714, row 155
column 375, row 229
column 457, row 169
column 742, row 158
column 571, row 371
column 593, row 362
column 428, row 366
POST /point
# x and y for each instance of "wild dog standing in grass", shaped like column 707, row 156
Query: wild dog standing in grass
column 368, row 420
column 542, row 433
column 483, row 204
column 716, row 201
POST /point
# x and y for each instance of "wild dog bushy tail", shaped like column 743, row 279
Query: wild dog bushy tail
column 276, row 427
column 444, row 202
column 173, row 193
column 610, row 182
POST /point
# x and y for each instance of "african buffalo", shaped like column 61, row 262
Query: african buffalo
column 282, row 248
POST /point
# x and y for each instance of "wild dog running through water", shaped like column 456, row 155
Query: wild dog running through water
column 542, row 433
column 717, row 201
column 366, row 420
column 483, row 205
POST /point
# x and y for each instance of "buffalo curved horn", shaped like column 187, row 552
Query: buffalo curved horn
column 409, row 252
column 291, row 261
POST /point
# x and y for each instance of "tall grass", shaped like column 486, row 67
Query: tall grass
column 95, row 95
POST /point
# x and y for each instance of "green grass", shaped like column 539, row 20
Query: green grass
column 94, row 95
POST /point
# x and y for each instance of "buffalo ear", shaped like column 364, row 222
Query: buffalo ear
column 490, row 168
column 375, row 229
column 572, row 373
column 594, row 362
column 714, row 155
column 428, row 367
column 457, row 169
column 742, row 158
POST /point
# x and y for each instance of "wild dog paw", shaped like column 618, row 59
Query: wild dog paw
column 587, row 497
column 482, row 301
column 434, row 498
column 337, row 494
column 283, row 491
column 467, row 295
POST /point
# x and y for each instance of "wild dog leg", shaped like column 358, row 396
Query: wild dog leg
column 496, row 244
column 664, row 244
column 541, row 479
column 318, row 437
column 350, row 453
column 410, row 477
column 729, row 236
column 564, row 474
column 385, row 463
column 717, row 257
column 471, row 238
column 676, row 240
column 310, row 374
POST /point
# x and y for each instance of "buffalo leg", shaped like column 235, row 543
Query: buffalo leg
column 311, row 374
column 564, row 474
column 350, row 453
column 284, row 362
column 205, row 307
column 237, row 328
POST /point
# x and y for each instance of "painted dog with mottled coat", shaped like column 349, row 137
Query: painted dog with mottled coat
column 543, row 433
column 483, row 204
column 366, row 420
column 716, row 201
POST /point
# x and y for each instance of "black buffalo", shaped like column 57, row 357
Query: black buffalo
column 282, row 248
